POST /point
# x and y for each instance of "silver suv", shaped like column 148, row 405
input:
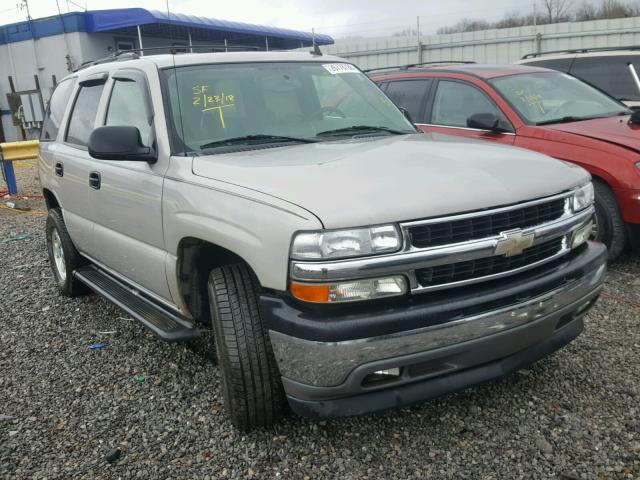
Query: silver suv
column 279, row 207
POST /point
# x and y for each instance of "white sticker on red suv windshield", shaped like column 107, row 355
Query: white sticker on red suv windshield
column 337, row 68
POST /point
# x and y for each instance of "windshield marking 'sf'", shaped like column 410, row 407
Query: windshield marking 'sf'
column 202, row 99
column 259, row 103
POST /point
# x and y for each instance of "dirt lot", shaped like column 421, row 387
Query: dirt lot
column 63, row 406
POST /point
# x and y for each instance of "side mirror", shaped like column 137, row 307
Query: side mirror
column 635, row 117
column 484, row 121
column 119, row 143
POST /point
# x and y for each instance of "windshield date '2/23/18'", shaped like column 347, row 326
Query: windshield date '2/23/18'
column 206, row 101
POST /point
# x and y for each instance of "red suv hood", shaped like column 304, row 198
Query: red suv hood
column 614, row 130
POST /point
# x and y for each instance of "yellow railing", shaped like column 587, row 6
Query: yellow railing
column 12, row 151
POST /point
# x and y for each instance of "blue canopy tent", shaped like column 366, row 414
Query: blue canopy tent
column 155, row 23
column 152, row 23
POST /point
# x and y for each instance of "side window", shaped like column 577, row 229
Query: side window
column 57, row 106
column 127, row 107
column 455, row 102
column 610, row 74
column 83, row 115
column 560, row 64
column 410, row 95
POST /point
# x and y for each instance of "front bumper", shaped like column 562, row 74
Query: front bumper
column 441, row 342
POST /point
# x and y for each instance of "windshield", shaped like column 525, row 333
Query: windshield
column 221, row 106
column 553, row 97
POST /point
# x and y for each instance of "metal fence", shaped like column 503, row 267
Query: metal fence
column 489, row 46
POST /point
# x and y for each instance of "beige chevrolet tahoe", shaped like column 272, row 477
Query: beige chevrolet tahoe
column 280, row 207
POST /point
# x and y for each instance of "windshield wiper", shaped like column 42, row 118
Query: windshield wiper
column 255, row 139
column 566, row 119
column 361, row 128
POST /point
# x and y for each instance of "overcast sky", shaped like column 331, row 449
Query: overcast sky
column 338, row 18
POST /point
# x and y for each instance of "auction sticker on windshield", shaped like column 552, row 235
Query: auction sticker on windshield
column 337, row 68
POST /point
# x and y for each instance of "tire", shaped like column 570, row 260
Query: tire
column 610, row 227
column 63, row 256
column 252, row 389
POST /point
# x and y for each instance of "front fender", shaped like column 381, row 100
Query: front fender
column 257, row 228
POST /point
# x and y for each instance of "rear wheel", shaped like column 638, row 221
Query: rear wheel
column 609, row 228
column 252, row 388
column 63, row 256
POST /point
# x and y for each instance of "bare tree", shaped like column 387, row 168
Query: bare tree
column 616, row 9
column 585, row 12
column 557, row 10
column 554, row 11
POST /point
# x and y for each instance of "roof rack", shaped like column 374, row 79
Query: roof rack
column 412, row 65
column 581, row 50
column 134, row 53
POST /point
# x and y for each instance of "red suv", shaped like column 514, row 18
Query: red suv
column 539, row 109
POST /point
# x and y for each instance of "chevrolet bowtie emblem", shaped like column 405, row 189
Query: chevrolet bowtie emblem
column 513, row 242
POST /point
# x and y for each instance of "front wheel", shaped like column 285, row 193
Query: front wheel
column 252, row 388
column 63, row 256
column 609, row 228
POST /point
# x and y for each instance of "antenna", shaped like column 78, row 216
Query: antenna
column 316, row 49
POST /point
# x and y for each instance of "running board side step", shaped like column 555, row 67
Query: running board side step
column 167, row 325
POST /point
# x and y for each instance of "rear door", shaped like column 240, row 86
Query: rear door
column 52, row 177
column 127, row 202
column 71, row 161
column 451, row 105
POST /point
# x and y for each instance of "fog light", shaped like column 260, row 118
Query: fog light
column 352, row 291
column 381, row 376
column 581, row 235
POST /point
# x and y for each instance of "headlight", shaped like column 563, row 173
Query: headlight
column 333, row 244
column 583, row 197
column 350, row 291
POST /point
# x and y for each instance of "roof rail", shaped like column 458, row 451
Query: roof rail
column 411, row 65
column 134, row 53
column 581, row 50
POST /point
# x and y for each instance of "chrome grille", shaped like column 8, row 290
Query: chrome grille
column 484, row 267
column 482, row 226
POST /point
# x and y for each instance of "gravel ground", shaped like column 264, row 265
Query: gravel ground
column 64, row 407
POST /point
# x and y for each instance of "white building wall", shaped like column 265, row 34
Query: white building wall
column 488, row 46
column 46, row 57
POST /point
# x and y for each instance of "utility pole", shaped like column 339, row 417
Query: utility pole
column 537, row 36
column 419, row 41
column 25, row 4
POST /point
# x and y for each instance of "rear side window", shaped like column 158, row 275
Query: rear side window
column 561, row 64
column 83, row 115
column 127, row 107
column 57, row 106
column 610, row 74
column 410, row 95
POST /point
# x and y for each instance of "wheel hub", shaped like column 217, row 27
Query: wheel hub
column 58, row 255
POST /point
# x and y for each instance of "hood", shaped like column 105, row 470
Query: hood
column 615, row 130
column 390, row 179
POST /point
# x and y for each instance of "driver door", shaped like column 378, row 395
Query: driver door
column 454, row 102
column 127, row 199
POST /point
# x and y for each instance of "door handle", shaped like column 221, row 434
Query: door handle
column 59, row 168
column 94, row 180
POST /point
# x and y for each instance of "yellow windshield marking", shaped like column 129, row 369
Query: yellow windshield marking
column 217, row 101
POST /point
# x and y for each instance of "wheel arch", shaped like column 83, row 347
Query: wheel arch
column 50, row 199
column 196, row 259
